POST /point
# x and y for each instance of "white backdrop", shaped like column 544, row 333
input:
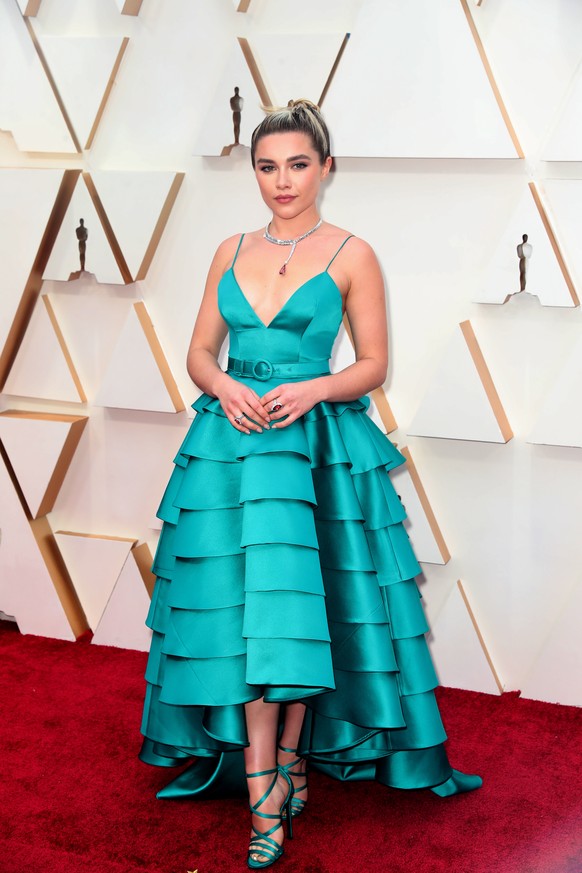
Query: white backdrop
column 430, row 176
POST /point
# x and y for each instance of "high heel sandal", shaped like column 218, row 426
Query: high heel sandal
column 262, row 843
column 297, row 804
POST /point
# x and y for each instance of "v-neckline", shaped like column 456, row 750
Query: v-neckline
column 287, row 302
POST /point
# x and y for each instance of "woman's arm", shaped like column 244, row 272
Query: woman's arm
column 208, row 335
column 366, row 310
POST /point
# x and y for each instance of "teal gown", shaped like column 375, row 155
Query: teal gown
column 284, row 571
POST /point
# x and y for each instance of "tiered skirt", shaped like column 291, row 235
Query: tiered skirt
column 284, row 571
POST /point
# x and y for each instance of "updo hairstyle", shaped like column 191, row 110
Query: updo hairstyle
column 301, row 116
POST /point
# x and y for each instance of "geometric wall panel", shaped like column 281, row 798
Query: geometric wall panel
column 556, row 675
column 565, row 143
column 27, row 198
column 123, row 620
column 425, row 534
column 559, row 422
column 431, row 95
column 137, row 230
column 138, row 375
column 216, row 134
column 546, row 274
column 27, row 591
column 458, row 649
column 563, row 197
column 40, row 447
column 100, row 259
column 28, row 107
column 461, row 401
column 43, row 367
column 83, row 69
column 295, row 65
column 94, row 564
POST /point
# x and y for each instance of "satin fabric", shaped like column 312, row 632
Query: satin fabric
column 284, row 571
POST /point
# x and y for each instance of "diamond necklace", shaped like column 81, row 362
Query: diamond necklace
column 288, row 242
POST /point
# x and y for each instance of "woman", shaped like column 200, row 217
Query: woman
column 287, row 622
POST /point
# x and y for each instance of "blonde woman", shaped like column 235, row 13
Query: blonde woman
column 287, row 622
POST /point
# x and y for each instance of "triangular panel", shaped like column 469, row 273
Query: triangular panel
column 555, row 675
column 26, row 588
column 546, row 274
column 559, row 422
column 40, row 447
column 138, row 376
column 431, row 96
column 458, row 649
column 461, row 401
column 100, row 260
column 425, row 534
column 217, row 135
column 296, row 65
column 83, row 68
column 137, row 231
column 43, row 367
column 565, row 143
column 28, row 107
column 94, row 564
column 123, row 621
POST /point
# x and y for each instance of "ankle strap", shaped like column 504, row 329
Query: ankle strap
column 261, row 773
column 285, row 749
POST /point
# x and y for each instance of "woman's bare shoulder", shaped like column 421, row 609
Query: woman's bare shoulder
column 356, row 248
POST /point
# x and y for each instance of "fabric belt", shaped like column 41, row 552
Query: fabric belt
column 262, row 369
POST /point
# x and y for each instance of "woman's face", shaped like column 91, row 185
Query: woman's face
column 289, row 172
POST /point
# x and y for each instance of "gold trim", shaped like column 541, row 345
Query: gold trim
column 255, row 72
column 34, row 282
column 60, row 575
column 486, row 380
column 64, row 349
column 159, row 356
column 131, row 7
column 160, row 226
column 68, row 449
column 108, row 230
column 427, row 508
column 91, row 536
column 53, row 84
column 492, row 82
column 143, row 560
column 32, row 8
column 480, row 636
column 554, row 242
column 107, row 92
column 334, row 68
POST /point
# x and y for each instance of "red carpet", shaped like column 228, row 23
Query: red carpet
column 75, row 798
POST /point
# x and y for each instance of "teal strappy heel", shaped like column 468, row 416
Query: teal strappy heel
column 262, row 843
column 297, row 804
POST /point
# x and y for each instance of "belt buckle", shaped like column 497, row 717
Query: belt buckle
column 262, row 376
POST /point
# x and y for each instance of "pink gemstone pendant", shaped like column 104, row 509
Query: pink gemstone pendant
column 283, row 270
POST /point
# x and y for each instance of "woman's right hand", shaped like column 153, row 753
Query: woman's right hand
column 239, row 400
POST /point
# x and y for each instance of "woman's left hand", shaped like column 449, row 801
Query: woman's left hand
column 296, row 398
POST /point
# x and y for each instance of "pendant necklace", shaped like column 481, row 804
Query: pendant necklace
column 288, row 242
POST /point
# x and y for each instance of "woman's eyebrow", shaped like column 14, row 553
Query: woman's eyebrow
column 289, row 160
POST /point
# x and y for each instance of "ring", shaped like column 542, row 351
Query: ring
column 238, row 418
column 276, row 405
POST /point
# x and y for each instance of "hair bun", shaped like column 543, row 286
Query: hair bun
column 303, row 103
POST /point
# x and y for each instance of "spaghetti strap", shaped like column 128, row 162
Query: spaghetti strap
column 338, row 251
column 242, row 236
